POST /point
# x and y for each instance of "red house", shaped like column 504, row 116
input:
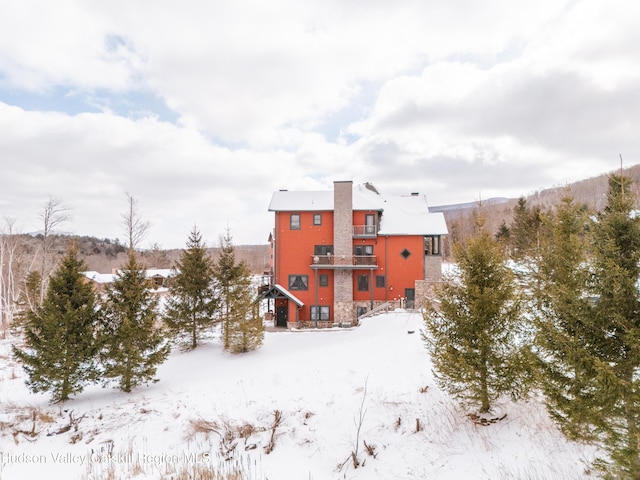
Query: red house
column 337, row 255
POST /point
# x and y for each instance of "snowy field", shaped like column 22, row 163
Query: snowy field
column 290, row 411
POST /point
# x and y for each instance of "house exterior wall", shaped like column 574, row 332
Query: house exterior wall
column 404, row 270
column 399, row 272
column 343, row 293
column 294, row 251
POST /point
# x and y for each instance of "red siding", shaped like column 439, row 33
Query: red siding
column 404, row 272
column 294, row 252
column 400, row 273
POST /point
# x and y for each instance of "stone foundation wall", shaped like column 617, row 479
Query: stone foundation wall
column 312, row 324
column 344, row 312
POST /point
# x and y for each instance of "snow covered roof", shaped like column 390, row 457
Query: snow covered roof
column 99, row 277
column 408, row 215
column 318, row 201
column 401, row 215
column 279, row 289
column 160, row 272
column 110, row 277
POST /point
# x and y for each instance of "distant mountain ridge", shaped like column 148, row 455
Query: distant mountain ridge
column 591, row 192
column 466, row 205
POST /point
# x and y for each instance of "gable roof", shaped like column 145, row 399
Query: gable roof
column 400, row 215
column 278, row 291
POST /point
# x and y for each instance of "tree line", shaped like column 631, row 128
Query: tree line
column 550, row 304
column 27, row 260
column 590, row 192
column 75, row 337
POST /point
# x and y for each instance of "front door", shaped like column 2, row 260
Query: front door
column 281, row 316
column 410, row 296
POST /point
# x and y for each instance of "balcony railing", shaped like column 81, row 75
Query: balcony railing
column 365, row 231
column 344, row 260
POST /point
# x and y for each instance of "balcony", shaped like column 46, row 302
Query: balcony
column 344, row 261
column 365, row 231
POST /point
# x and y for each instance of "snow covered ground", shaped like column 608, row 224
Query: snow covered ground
column 328, row 388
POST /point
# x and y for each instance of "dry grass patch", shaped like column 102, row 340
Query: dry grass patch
column 230, row 433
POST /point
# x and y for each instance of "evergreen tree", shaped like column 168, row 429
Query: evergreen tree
column 133, row 344
column 563, row 316
column 30, row 295
column 471, row 328
column 191, row 305
column 504, row 233
column 615, row 328
column 60, row 338
column 246, row 330
column 525, row 230
column 233, row 283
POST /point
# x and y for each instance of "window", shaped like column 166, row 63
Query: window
column 405, row 253
column 323, row 250
column 295, row 221
column 324, row 280
column 319, row 312
column 298, row 282
column 363, row 283
column 380, row 281
column 363, row 250
column 317, row 219
column 432, row 245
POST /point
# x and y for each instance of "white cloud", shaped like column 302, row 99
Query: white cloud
column 44, row 44
column 448, row 97
column 91, row 160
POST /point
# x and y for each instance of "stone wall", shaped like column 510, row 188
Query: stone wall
column 433, row 268
column 343, row 310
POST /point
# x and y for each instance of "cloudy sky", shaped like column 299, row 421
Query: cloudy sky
column 200, row 110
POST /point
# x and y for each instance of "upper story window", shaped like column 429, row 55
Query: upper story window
column 432, row 245
column 317, row 219
column 294, row 221
column 298, row 282
column 323, row 249
column 363, row 250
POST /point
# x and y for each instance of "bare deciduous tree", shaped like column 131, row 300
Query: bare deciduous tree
column 135, row 227
column 157, row 257
column 9, row 280
column 54, row 213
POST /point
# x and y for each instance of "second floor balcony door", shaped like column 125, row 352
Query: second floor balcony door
column 369, row 224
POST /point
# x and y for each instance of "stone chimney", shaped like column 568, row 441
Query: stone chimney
column 343, row 250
